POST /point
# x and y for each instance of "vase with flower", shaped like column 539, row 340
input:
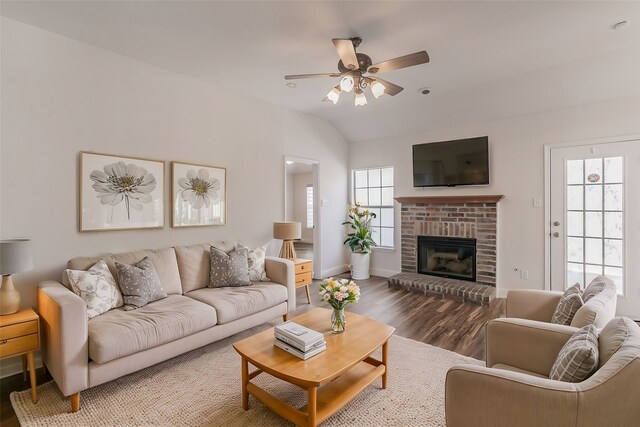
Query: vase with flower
column 338, row 293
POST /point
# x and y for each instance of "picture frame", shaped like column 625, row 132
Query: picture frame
column 120, row 192
column 198, row 195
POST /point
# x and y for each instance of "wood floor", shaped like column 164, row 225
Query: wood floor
column 444, row 323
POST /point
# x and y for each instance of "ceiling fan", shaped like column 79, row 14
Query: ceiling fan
column 358, row 72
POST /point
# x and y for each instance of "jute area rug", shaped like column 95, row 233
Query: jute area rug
column 202, row 388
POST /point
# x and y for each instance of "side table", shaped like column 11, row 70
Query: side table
column 20, row 336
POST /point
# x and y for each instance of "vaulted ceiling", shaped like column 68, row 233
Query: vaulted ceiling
column 488, row 59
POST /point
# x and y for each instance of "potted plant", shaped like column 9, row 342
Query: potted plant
column 359, row 240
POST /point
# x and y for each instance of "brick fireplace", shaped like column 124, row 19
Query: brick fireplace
column 466, row 217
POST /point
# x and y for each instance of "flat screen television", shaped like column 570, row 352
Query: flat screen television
column 451, row 163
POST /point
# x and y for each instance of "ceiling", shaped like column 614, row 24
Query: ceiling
column 488, row 59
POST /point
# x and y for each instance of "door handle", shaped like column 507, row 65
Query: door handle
column 556, row 234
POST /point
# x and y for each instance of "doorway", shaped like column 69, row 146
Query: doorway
column 594, row 218
column 301, row 204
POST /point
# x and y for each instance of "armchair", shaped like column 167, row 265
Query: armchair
column 514, row 388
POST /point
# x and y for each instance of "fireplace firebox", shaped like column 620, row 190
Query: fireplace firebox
column 451, row 257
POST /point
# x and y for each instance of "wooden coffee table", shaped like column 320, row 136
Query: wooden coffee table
column 346, row 363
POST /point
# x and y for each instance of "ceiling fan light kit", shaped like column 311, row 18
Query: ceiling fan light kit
column 353, row 66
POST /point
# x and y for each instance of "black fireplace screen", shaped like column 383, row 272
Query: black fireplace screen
column 451, row 257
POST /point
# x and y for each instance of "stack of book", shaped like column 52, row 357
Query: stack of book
column 300, row 341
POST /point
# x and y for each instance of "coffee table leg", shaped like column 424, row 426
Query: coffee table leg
column 385, row 362
column 245, row 380
column 311, row 407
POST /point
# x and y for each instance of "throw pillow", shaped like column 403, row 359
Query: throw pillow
column 96, row 287
column 139, row 283
column 569, row 303
column 229, row 269
column 256, row 259
column 578, row 358
column 596, row 286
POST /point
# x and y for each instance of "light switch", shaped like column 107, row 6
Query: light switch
column 324, row 203
column 537, row 202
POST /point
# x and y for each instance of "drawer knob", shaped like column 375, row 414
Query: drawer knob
column 4, row 341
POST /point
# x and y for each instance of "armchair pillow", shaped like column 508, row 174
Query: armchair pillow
column 596, row 286
column 96, row 287
column 229, row 269
column 578, row 358
column 139, row 283
column 569, row 303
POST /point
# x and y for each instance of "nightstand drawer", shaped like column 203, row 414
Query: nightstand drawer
column 303, row 268
column 18, row 330
column 9, row 347
column 303, row 279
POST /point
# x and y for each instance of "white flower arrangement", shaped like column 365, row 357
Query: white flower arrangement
column 339, row 292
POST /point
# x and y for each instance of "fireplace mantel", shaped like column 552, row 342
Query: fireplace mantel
column 481, row 198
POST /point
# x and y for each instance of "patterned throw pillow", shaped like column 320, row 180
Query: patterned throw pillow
column 96, row 287
column 139, row 283
column 596, row 286
column 256, row 259
column 229, row 269
column 578, row 358
column 569, row 303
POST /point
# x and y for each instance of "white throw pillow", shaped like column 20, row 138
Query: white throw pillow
column 96, row 287
column 256, row 259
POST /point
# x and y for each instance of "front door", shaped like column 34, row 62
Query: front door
column 595, row 218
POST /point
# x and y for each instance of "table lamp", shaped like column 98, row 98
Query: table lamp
column 287, row 231
column 15, row 257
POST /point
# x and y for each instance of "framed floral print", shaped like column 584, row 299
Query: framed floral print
column 199, row 195
column 120, row 193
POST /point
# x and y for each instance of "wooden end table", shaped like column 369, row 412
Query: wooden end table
column 304, row 274
column 346, row 364
column 20, row 336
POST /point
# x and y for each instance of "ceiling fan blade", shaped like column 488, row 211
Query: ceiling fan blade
column 402, row 62
column 389, row 88
column 347, row 52
column 309, row 76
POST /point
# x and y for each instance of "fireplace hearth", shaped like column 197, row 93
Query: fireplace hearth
column 450, row 257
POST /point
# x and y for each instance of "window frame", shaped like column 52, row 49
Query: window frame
column 309, row 208
column 378, row 228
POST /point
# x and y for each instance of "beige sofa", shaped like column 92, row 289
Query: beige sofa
column 515, row 390
column 80, row 354
column 540, row 305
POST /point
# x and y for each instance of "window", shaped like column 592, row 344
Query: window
column 373, row 188
column 309, row 206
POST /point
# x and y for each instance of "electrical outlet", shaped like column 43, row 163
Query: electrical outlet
column 524, row 274
column 537, row 202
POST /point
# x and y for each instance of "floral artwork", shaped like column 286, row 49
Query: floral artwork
column 120, row 192
column 199, row 195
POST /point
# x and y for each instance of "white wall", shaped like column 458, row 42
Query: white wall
column 60, row 96
column 517, row 171
column 300, row 182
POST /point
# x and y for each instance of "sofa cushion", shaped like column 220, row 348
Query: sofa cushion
column 237, row 302
column 194, row 265
column 568, row 305
column 85, row 263
column 97, row 287
column 163, row 260
column 139, row 284
column 598, row 308
column 611, row 338
column 118, row 333
column 578, row 358
column 229, row 269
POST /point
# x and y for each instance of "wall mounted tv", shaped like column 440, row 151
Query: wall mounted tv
column 451, row 163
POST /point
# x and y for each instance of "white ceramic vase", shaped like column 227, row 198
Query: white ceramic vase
column 360, row 265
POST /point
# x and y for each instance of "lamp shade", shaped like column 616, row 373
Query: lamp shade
column 15, row 256
column 287, row 230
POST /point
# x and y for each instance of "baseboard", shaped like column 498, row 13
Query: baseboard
column 13, row 366
column 334, row 271
column 383, row 272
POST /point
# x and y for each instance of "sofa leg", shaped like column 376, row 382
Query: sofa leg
column 285, row 317
column 75, row 402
